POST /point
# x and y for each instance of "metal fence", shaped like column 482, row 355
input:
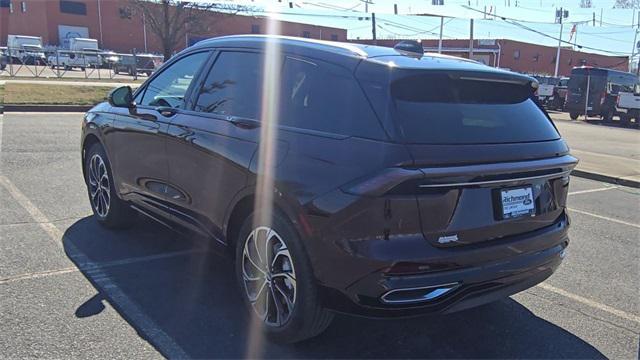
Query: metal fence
column 88, row 64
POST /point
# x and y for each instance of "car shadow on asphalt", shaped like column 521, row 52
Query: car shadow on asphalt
column 192, row 297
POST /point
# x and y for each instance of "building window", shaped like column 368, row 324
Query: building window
column 5, row 3
column 23, row 6
column 255, row 29
column 536, row 57
column 125, row 13
column 516, row 54
column 334, row 37
column 73, row 7
column 306, row 34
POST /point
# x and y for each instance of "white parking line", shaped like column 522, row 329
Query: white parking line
column 605, row 218
column 592, row 190
column 118, row 299
column 594, row 304
column 103, row 265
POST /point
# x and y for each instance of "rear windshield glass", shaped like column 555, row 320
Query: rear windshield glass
column 436, row 109
column 579, row 82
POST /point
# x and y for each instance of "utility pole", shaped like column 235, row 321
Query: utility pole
column 100, row 24
column 562, row 15
column 471, row 39
column 440, row 39
column 373, row 28
column 600, row 16
column 633, row 50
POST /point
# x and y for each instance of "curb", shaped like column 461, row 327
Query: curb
column 606, row 178
column 45, row 108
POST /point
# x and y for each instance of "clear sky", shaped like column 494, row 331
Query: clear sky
column 530, row 21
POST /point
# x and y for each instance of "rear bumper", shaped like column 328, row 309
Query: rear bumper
column 476, row 285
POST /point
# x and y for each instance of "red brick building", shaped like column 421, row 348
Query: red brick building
column 118, row 27
column 520, row 56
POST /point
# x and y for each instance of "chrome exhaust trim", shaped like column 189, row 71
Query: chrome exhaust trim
column 417, row 294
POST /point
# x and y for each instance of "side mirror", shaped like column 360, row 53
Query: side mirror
column 121, row 97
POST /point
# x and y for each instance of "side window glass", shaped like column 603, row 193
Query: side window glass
column 325, row 97
column 170, row 86
column 233, row 86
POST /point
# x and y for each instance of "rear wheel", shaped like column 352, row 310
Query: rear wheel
column 107, row 207
column 277, row 282
column 573, row 116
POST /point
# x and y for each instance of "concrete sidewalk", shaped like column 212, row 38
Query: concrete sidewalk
column 71, row 83
column 606, row 153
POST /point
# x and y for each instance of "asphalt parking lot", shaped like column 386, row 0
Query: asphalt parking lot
column 69, row 288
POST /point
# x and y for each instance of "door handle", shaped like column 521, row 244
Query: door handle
column 166, row 111
column 244, row 123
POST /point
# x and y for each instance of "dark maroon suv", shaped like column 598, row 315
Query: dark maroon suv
column 341, row 178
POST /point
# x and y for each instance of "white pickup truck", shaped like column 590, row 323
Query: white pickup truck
column 628, row 106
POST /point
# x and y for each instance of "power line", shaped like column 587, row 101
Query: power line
column 515, row 22
column 521, row 20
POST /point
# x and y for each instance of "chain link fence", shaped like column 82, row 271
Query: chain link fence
column 88, row 64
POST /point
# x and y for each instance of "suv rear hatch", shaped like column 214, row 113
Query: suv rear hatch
column 492, row 164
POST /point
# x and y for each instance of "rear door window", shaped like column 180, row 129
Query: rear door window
column 438, row 109
column 320, row 96
column 233, row 86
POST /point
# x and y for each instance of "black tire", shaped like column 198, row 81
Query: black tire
column 82, row 69
column 118, row 213
column 607, row 116
column 308, row 318
column 573, row 116
column 625, row 120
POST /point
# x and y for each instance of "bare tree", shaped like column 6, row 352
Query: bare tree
column 627, row 4
column 171, row 20
column 586, row 3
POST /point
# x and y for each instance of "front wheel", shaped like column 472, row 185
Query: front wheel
column 108, row 208
column 277, row 282
column 573, row 116
column 608, row 116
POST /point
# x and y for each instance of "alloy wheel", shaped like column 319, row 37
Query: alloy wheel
column 99, row 185
column 269, row 276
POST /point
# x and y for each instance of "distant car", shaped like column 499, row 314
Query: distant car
column 561, row 93
column 388, row 183
column 88, row 58
column 109, row 59
column 548, row 94
column 628, row 106
column 143, row 64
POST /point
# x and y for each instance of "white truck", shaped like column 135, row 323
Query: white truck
column 628, row 106
column 26, row 49
column 82, row 53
